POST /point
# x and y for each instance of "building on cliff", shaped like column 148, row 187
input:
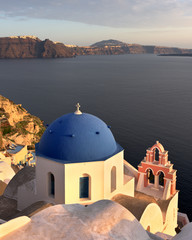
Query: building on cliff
column 15, row 155
column 79, row 161
column 18, row 153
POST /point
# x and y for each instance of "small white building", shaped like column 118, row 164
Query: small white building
column 18, row 154
column 79, row 161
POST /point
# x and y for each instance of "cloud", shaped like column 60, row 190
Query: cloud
column 113, row 13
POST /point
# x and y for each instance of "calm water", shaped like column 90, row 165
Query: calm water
column 143, row 97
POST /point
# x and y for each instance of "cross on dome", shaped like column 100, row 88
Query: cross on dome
column 78, row 112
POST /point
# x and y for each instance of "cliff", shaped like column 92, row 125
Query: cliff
column 114, row 47
column 17, row 125
column 32, row 47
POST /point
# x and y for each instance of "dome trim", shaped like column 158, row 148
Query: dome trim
column 118, row 150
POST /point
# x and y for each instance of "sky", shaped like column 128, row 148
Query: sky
column 84, row 22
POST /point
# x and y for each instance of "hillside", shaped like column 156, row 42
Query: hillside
column 111, row 43
column 114, row 47
column 32, row 47
column 17, row 125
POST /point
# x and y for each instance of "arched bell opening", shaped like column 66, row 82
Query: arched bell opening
column 156, row 154
column 161, row 178
column 150, row 176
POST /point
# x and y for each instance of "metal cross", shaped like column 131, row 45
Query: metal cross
column 78, row 106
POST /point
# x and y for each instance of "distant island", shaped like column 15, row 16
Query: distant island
column 33, row 47
column 177, row 55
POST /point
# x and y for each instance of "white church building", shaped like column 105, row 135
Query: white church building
column 79, row 161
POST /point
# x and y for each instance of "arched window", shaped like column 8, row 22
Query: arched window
column 51, row 185
column 161, row 178
column 113, row 179
column 84, row 186
column 150, row 176
column 156, row 154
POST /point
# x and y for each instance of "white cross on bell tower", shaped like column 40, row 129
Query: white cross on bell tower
column 78, row 112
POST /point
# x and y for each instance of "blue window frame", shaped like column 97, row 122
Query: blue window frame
column 84, row 187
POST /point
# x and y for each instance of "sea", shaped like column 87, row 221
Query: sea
column 144, row 98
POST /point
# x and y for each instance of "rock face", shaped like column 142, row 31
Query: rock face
column 32, row 47
column 103, row 220
column 114, row 47
column 17, row 125
column 110, row 42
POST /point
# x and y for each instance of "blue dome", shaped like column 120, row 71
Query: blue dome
column 77, row 138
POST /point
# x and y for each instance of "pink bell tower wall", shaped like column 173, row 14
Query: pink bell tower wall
column 158, row 166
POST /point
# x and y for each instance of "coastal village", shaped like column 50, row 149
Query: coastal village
column 19, row 131
column 75, row 172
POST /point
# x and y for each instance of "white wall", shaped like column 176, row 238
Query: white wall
column 100, row 180
column 67, row 185
column 43, row 168
column 171, row 216
column 74, row 171
column 117, row 161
